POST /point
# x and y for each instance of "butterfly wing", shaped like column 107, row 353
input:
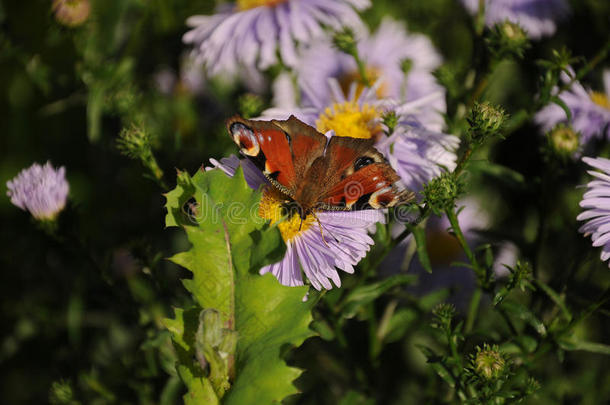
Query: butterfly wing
column 360, row 177
column 282, row 150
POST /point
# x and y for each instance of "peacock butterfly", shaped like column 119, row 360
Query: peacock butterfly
column 315, row 172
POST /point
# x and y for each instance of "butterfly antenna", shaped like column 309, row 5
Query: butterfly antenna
column 321, row 229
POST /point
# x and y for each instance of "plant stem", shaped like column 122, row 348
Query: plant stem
column 362, row 70
column 475, row 300
column 473, row 309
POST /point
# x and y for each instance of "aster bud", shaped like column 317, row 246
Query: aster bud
column 443, row 313
column 563, row 140
column 508, row 39
column 390, row 120
column 532, row 385
column 135, row 143
column 406, row 65
column 486, row 121
column 520, row 277
column 71, row 13
column 61, row 393
column 442, row 191
column 489, row 362
column 250, row 105
column 345, row 41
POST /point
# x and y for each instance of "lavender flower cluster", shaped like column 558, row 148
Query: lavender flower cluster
column 41, row 190
column 350, row 97
column 390, row 74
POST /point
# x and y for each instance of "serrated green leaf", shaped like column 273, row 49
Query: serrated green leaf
column 266, row 315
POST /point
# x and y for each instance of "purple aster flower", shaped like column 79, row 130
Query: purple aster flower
column 251, row 32
column 401, row 62
column 590, row 110
column 596, row 202
column 537, row 17
column 344, row 244
column 41, row 190
column 414, row 150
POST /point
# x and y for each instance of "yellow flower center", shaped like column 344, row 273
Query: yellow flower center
column 350, row 119
column 248, row 4
column 372, row 74
column 600, row 99
column 273, row 209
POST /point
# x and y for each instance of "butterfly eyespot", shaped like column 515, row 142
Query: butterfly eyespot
column 382, row 198
column 245, row 138
column 363, row 161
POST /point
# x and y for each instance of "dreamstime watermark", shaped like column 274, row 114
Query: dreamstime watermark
column 203, row 210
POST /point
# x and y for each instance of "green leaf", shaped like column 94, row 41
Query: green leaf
column 438, row 364
column 498, row 172
column 399, row 324
column 355, row 398
column 229, row 245
column 95, row 108
column 365, row 294
column 555, row 297
column 564, row 107
column 523, row 313
column 592, row 347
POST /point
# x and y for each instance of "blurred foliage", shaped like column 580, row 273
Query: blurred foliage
column 83, row 310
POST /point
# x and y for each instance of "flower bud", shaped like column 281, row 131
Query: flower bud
column 406, row 65
column 563, row 140
column 345, row 41
column 489, row 362
column 71, row 13
column 441, row 192
column 443, row 313
column 390, row 120
column 485, row 122
column 508, row 39
column 61, row 393
column 250, row 105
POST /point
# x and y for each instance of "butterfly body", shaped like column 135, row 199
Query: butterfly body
column 315, row 172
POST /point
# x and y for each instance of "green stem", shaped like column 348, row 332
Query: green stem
column 361, row 69
column 582, row 72
column 455, row 226
column 463, row 160
column 480, row 19
column 473, row 309
column 475, row 300
column 156, row 171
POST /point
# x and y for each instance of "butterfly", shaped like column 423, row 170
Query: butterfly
column 317, row 173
